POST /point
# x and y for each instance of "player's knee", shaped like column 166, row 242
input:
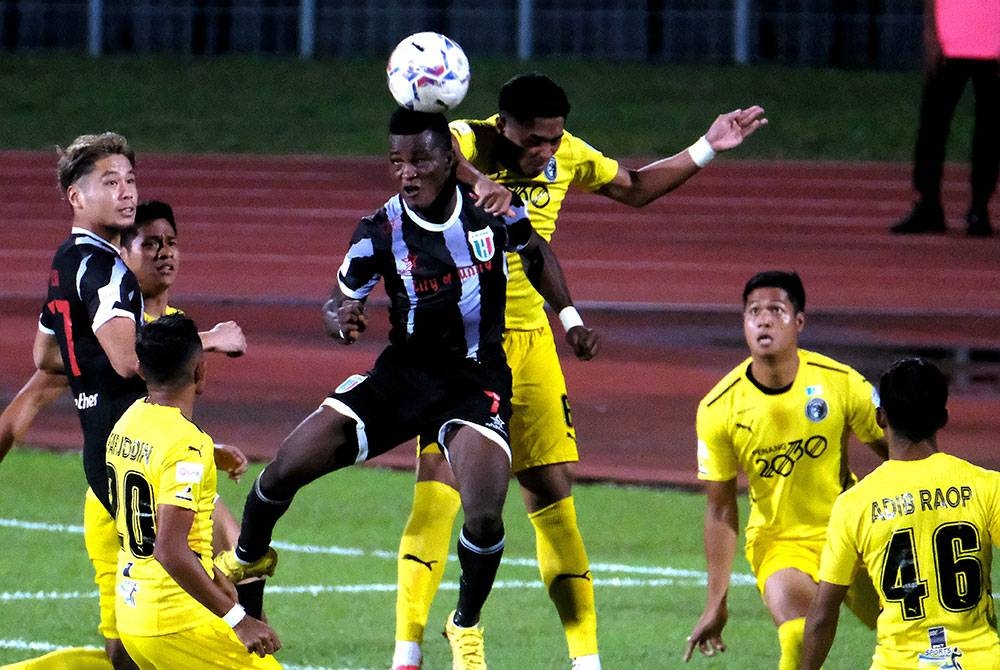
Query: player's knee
column 483, row 528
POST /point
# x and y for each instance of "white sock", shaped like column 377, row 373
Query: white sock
column 588, row 662
column 407, row 653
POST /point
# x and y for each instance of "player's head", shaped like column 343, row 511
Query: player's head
column 421, row 156
column 149, row 247
column 97, row 176
column 533, row 111
column 913, row 399
column 170, row 353
column 774, row 305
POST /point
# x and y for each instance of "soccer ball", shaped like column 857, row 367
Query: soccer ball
column 428, row 72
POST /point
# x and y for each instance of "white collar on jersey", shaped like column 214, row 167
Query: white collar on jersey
column 435, row 227
column 94, row 238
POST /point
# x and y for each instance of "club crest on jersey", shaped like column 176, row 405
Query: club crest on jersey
column 482, row 245
column 550, row 169
column 817, row 409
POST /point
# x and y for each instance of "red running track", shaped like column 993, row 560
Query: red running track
column 262, row 238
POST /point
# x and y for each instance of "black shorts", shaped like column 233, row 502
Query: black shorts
column 406, row 395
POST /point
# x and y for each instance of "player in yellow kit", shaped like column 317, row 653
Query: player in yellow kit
column 172, row 606
column 783, row 417
column 526, row 149
column 923, row 525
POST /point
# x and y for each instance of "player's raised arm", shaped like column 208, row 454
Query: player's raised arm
column 546, row 275
column 644, row 185
column 226, row 337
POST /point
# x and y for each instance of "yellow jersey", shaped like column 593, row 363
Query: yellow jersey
column 924, row 531
column 792, row 443
column 167, row 311
column 575, row 163
column 156, row 456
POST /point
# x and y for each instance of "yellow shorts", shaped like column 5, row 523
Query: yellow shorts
column 101, row 540
column 541, row 429
column 216, row 645
column 767, row 558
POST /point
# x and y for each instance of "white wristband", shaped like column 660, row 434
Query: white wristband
column 235, row 615
column 570, row 318
column 701, row 152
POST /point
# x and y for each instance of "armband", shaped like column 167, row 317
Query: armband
column 570, row 318
column 701, row 152
column 235, row 615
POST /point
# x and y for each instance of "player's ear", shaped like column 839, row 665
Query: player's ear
column 880, row 419
column 199, row 377
column 800, row 321
column 75, row 197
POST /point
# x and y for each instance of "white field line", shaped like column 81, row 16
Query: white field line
column 675, row 576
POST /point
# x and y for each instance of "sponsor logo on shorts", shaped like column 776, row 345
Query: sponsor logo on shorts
column 817, row 410
column 497, row 424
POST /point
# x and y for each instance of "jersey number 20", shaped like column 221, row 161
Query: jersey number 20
column 137, row 498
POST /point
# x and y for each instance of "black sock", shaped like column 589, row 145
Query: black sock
column 259, row 518
column 251, row 596
column 479, row 569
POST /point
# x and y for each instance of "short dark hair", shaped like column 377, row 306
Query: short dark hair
column 168, row 349
column 408, row 122
column 146, row 212
column 790, row 282
column 532, row 96
column 79, row 157
column 913, row 395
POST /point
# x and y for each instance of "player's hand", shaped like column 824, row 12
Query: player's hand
column 493, row 197
column 226, row 337
column 231, row 460
column 585, row 342
column 345, row 321
column 729, row 130
column 707, row 635
column 257, row 636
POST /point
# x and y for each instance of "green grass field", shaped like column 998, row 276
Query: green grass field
column 283, row 105
column 332, row 601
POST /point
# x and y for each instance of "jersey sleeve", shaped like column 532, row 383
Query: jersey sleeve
column 518, row 225
column 359, row 274
column 862, row 402
column 592, row 168
column 464, row 133
column 840, row 558
column 716, row 459
column 186, row 471
column 109, row 291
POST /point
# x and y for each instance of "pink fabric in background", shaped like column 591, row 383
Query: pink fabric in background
column 968, row 28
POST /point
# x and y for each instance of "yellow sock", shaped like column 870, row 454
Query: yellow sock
column 73, row 658
column 790, row 636
column 562, row 560
column 423, row 552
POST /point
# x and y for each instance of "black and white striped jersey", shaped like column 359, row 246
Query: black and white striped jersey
column 446, row 282
column 89, row 284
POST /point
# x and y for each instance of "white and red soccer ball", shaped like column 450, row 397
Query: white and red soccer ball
column 428, row 72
